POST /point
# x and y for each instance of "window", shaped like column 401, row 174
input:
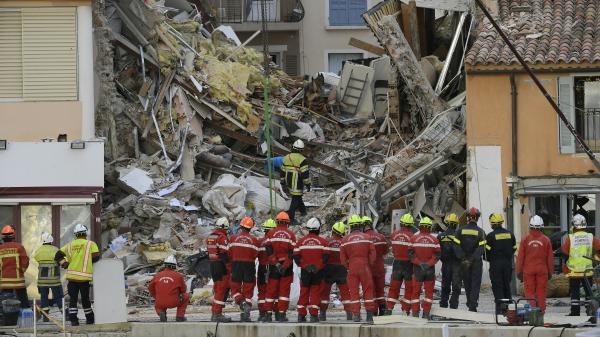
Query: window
column 7, row 215
column 347, row 12
column 38, row 54
column 336, row 61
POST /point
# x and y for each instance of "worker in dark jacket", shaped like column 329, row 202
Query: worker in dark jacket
column 500, row 248
column 469, row 248
column 446, row 239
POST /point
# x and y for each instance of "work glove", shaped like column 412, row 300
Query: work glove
column 520, row 276
column 311, row 269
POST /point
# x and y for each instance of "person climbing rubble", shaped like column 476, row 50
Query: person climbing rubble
column 169, row 291
column 218, row 255
column 262, row 274
column 535, row 263
column 378, row 268
column 500, row 249
column 13, row 262
column 296, row 178
column 424, row 254
column 243, row 250
column 279, row 246
column 335, row 272
column 450, row 290
column 311, row 255
column 48, row 275
column 402, row 270
column 357, row 254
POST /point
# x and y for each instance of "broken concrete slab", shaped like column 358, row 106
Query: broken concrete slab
column 135, row 180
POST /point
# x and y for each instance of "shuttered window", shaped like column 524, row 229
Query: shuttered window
column 38, row 54
column 566, row 105
column 347, row 12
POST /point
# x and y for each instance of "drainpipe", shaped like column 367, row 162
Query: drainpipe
column 515, row 167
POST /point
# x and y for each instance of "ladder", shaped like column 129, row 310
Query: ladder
column 354, row 92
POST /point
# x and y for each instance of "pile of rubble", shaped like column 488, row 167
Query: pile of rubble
column 182, row 108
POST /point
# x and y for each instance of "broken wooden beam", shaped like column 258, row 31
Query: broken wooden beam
column 410, row 27
column 128, row 46
column 371, row 48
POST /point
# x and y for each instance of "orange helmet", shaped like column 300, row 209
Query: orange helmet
column 8, row 230
column 282, row 217
column 247, row 222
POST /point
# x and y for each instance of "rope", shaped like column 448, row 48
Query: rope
column 266, row 105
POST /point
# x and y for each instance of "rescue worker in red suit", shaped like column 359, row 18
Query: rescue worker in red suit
column 335, row 272
column 357, row 254
column 243, row 250
column 535, row 262
column 425, row 252
column 262, row 274
column 402, row 269
column 169, row 291
column 378, row 268
column 279, row 246
column 218, row 257
column 13, row 262
column 310, row 254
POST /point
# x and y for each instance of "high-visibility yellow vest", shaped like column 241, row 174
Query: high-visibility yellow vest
column 48, row 272
column 294, row 167
column 79, row 254
column 581, row 245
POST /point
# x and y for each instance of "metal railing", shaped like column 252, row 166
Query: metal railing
column 240, row 11
column 590, row 128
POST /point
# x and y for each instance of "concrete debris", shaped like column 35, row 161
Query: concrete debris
column 183, row 118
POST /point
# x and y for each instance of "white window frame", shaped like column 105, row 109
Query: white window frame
column 370, row 3
column 341, row 51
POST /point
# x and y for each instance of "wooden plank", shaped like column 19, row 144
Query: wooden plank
column 410, row 27
column 122, row 41
column 380, row 320
column 467, row 315
column 562, row 319
column 371, row 48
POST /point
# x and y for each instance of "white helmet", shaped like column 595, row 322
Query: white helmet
column 47, row 238
column 80, row 229
column 298, row 145
column 579, row 221
column 313, row 224
column 536, row 222
column 171, row 260
column 222, row 223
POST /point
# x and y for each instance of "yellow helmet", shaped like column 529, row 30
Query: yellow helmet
column 367, row 219
column 354, row 221
column 339, row 228
column 426, row 222
column 451, row 218
column 496, row 218
column 407, row 219
column 269, row 224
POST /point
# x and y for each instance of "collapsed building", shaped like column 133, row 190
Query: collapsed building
column 182, row 110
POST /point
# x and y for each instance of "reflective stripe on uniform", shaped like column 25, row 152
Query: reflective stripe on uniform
column 401, row 243
column 503, row 236
column 245, row 245
column 353, row 242
column 482, row 242
column 469, row 232
column 426, row 245
column 488, row 247
column 280, row 240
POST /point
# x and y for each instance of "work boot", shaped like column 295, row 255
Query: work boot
column 407, row 312
column 268, row 317
column 426, row 315
column 220, row 318
column 314, row 319
column 356, row 317
column 282, row 317
column 162, row 316
column 261, row 316
column 180, row 319
column 387, row 312
column 369, row 317
column 301, row 319
column 443, row 304
column 323, row 316
column 44, row 315
column 415, row 314
column 348, row 315
column 473, row 309
column 277, row 315
column 382, row 310
column 89, row 319
column 74, row 322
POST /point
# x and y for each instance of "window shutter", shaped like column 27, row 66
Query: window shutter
column 11, row 66
column 355, row 10
column 49, row 54
column 566, row 105
column 338, row 12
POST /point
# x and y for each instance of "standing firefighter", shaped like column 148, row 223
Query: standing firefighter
column 262, row 274
column 535, row 262
column 218, row 256
column 296, row 178
column 48, row 274
column 378, row 268
column 243, row 249
column 357, row 254
column 425, row 253
column 578, row 247
column 469, row 249
column 310, row 254
column 500, row 251
column 169, row 291
column 403, row 269
column 446, row 239
column 335, row 272
column 14, row 262
column 78, row 257
column 279, row 246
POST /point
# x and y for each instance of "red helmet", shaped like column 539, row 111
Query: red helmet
column 474, row 213
column 8, row 230
column 282, row 217
column 247, row 222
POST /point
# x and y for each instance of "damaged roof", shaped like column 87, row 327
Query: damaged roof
column 543, row 31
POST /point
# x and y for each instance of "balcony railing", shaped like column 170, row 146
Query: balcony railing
column 240, row 11
column 590, row 128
